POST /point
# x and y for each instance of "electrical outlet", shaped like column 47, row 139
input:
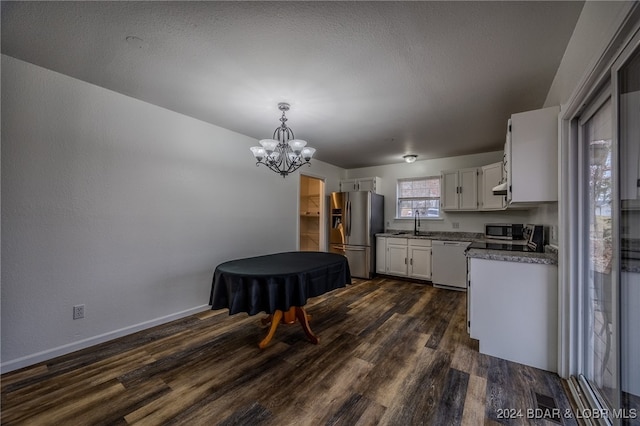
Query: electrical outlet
column 78, row 312
column 455, row 225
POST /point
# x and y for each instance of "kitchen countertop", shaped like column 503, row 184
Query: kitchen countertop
column 549, row 257
column 429, row 235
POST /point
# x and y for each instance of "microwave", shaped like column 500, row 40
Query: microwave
column 504, row 231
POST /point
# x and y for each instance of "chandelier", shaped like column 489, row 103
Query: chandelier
column 284, row 153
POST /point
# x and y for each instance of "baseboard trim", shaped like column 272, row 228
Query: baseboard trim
column 48, row 354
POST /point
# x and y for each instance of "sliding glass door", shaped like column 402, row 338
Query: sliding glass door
column 626, row 79
column 609, row 226
column 599, row 293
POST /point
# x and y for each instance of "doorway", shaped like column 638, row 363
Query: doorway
column 311, row 229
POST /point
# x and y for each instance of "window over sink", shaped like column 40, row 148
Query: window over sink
column 421, row 194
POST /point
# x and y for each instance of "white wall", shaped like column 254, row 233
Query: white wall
column 468, row 221
column 596, row 26
column 123, row 206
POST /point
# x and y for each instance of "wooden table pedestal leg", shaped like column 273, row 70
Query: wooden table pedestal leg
column 302, row 316
column 288, row 317
column 275, row 320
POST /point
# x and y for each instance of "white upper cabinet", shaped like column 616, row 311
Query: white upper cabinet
column 361, row 184
column 490, row 177
column 449, row 190
column 532, row 144
column 459, row 189
column 469, row 189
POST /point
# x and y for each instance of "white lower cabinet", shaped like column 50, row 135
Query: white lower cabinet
column 404, row 257
column 397, row 263
column 420, row 259
column 513, row 310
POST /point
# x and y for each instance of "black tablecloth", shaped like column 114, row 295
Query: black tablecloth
column 276, row 281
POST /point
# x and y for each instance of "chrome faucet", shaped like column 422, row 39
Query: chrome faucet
column 416, row 223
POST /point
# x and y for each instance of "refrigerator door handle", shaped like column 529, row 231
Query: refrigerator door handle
column 348, row 218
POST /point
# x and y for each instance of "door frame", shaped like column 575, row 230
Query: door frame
column 569, row 264
column 322, row 243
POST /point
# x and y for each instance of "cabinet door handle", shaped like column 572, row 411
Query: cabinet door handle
column 405, row 260
column 411, row 262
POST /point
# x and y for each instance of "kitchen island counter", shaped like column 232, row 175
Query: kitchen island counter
column 547, row 258
column 513, row 306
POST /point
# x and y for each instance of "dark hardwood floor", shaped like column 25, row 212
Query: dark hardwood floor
column 391, row 352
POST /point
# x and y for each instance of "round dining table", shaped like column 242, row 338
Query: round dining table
column 278, row 284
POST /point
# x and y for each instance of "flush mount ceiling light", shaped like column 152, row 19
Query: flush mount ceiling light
column 410, row 158
column 283, row 154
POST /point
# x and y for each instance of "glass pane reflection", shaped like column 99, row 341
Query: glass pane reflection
column 600, row 353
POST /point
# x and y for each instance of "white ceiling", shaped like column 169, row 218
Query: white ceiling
column 367, row 81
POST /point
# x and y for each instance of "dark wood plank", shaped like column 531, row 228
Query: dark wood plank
column 451, row 404
column 498, row 389
column 350, row 412
column 421, row 391
column 391, row 352
column 254, row 414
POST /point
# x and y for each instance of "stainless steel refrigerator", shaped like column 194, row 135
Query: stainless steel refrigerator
column 355, row 219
